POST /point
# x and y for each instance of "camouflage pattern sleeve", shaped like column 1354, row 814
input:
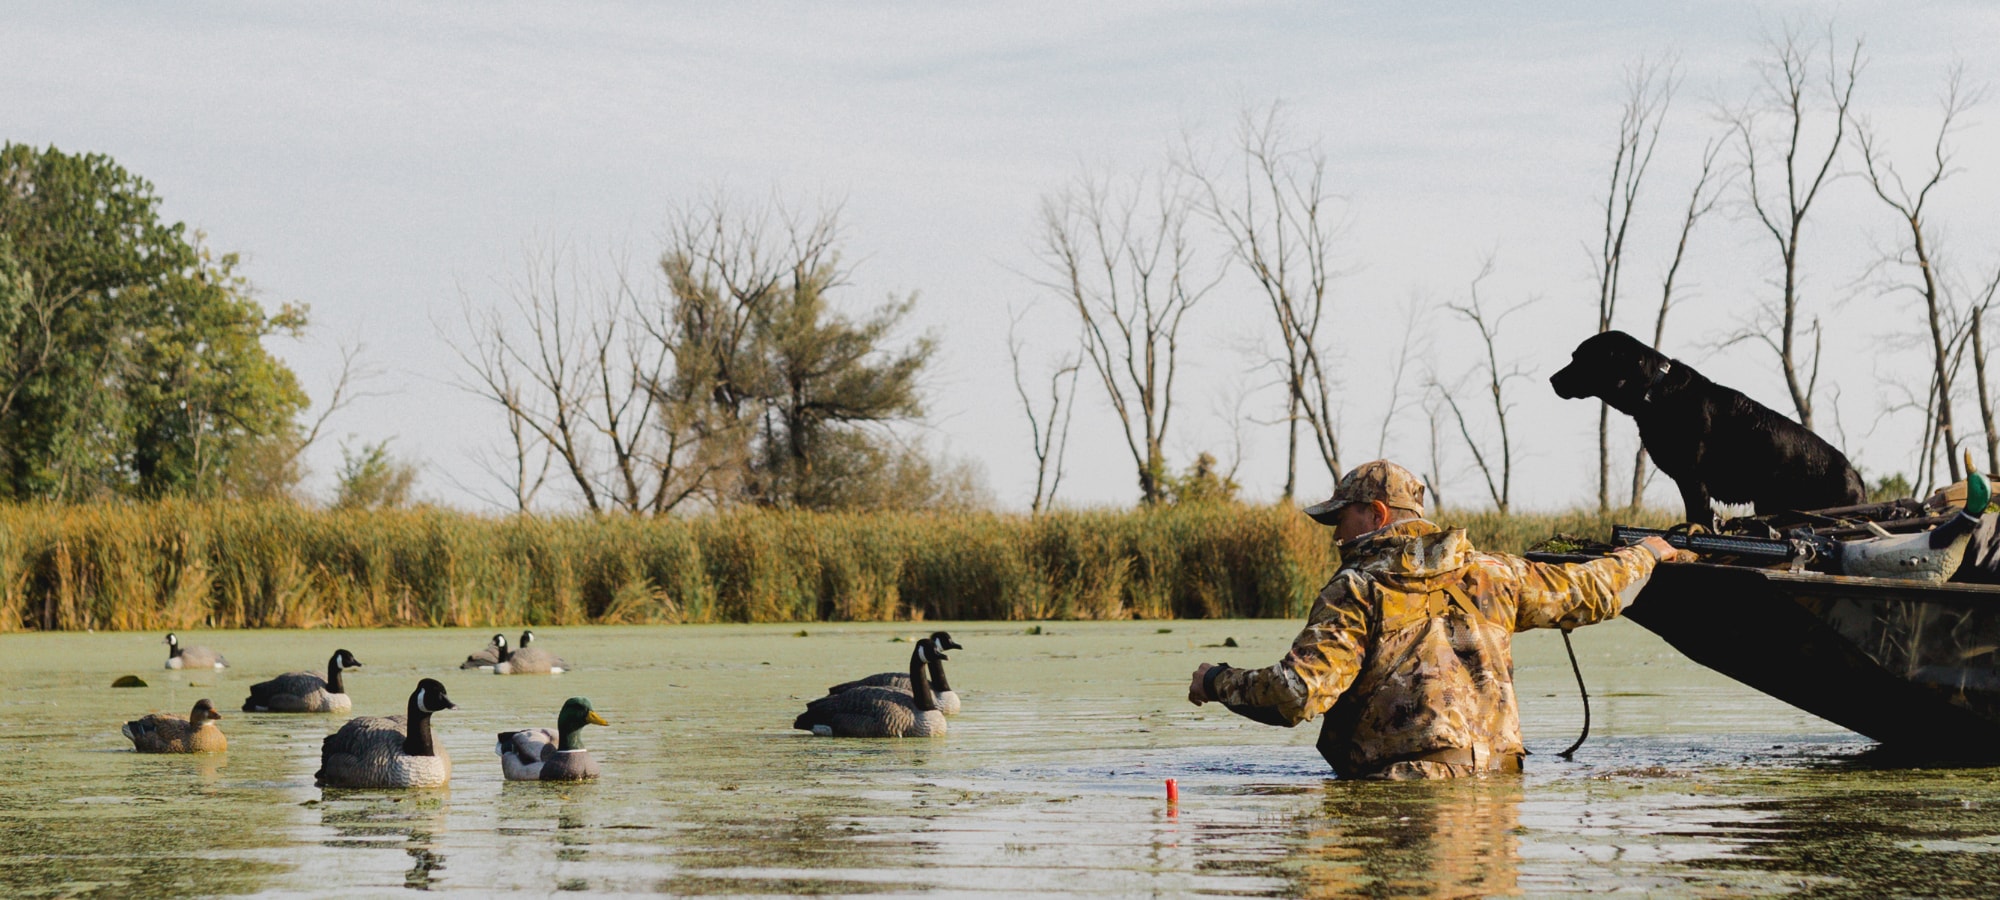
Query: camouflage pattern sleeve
column 1323, row 661
column 1572, row 594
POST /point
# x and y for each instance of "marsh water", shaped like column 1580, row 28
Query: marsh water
column 1050, row 782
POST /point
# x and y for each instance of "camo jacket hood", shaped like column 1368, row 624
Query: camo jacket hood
column 1409, row 648
column 1414, row 553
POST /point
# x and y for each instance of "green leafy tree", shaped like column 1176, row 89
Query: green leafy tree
column 1201, row 483
column 831, row 379
column 134, row 362
column 372, row 479
column 784, row 400
column 739, row 382
column 1892, row 486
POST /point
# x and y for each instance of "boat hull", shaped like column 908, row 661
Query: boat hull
column 1915, row 666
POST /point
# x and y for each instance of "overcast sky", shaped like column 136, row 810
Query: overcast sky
column 376, row 162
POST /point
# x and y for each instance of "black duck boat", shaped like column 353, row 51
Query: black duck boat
column 1913, row 665
column 1847, row 614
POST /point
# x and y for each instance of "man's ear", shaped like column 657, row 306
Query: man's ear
column 1380, row 512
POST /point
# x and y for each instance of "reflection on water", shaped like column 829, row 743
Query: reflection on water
column 1050, row 782
column 1452, row 839
column 388, row 829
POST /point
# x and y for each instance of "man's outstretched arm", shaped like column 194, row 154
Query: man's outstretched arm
column 1323, row 661
column 1569, row 595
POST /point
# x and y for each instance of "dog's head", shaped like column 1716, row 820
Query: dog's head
column 1613, row 366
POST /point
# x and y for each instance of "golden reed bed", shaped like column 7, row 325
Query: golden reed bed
column 235, row 565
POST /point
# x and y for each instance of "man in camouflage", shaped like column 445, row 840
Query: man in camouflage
column 1407, row 650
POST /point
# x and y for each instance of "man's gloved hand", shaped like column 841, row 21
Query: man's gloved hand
column 1665, row 552
column 1196, row 694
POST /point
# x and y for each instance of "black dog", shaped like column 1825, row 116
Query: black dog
column 1713, row 441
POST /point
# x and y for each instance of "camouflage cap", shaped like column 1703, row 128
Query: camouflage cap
column 1380, row 480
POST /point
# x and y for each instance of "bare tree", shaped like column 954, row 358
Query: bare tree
column 566, row 369
column 1048, row 429
column 1649, row 91
column 1414, row 343
column 1281, row 222
column 1434, row 403
column 1919, row 252
column 1124, row 261
column 533, row 377
column 1791, row 83
column 1701, row 201
column 522, row 468
column 1978, row 337
column 345, row 390
column 1497, row 468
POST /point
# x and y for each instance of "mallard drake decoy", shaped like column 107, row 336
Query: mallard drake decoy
column 167, row 733
column 389, row 751
column 878, row 711
column 947, row 699
column 526, row 660
column 179, row 657
column 488, row 656
column 541, row 754
column 305, row 691
column 1930, row 556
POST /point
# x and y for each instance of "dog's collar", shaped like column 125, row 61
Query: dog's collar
column 1666, row 366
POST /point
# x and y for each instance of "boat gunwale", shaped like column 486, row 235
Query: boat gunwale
column 1805, row 577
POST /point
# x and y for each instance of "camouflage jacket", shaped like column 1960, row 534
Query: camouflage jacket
column 1408, row 648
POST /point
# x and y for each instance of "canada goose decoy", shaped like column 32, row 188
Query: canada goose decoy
column 527, row 660
column 542, row 754
column 389, row 751
column 947, row 699
column 305, row 691
column 488, row 656
column 879, row 711
column 179, row 657
column 166, row 733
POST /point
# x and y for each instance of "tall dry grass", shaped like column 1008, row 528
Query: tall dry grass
column 222, row 565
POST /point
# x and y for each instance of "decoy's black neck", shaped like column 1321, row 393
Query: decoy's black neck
column 1959, row 525
column 569, row 738
column 173, row 650
column 920, row 682
column 937, row 675
column 418, row 742
column 333, row 684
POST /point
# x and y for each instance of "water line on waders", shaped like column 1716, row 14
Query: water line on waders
column 1570, row 754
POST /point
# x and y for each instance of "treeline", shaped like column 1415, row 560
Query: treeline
column 132, row 361
column 181, row 564
column 734, row 366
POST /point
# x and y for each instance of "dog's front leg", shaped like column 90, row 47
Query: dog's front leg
column 1694, row 495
